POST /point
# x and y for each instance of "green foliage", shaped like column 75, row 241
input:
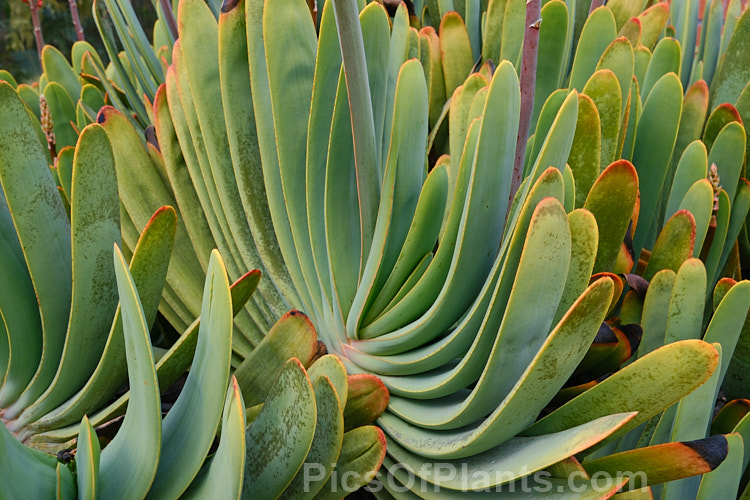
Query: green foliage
column 363, row 159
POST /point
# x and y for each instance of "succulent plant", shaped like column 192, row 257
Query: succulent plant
column 106, row 346
column 413, row 273
column 454, row 224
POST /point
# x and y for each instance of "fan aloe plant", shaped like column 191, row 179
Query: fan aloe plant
column 422, row 271
column 69, row 349
column 372, row 173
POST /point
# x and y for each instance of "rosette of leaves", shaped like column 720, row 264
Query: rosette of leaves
column 66, row 356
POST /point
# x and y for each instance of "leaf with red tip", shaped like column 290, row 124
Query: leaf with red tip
column 618, row 181
column 720, row 117
column 367, row 400
column 653, row 20
column 674, row 244
column 293, row 336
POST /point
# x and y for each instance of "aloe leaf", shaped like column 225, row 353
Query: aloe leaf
column 376, row 37
column 585, row 153
column 720, row 236
column 341, row 226
column 726, row 324
column 361, row 112
column 197, row 26
column 176, row 158
column 460, row 106
column 279, row 439
column 739, row 210
column 634, row 109
column 367, row 400
column 692, row 167
column 169, row 368
column 685, row 317
column 325, row 87
column 87, row 461
column 693, row 415
column 57, row 69
column 397, row 55
column 116, row 70
column 552, row 45
column 65, row 488
column 146, row 69
column 538, row 452
column 727, row 153
column 653, row 146
column 331, row 367
column 266, row 130
column 292, row 336
column 326, row 445
column 420, row 239
column 598, row 32
column 143, row 190
column 695, row 108
column 95, row 227
column 653, row 20
column 699, row 201
column 604, row 89
column 362, row 453
column 33, row 472
column 38, row 215
column 402, row 181
column 720, row 117
column 617, row 180
column 546, row 252
column 62, row 111
column 430, row 56
column 684, row 459
column 620, row 59
column 148, row 267
column 681, row 366
column 674, row 244
column 184, row 118
column 733, row 71
column 225, row 469
column 8, row 78
column 455, row 48
column 20, row 321
column 77, row 53
column 584, row 239
column 189, row 427
column 129, row 462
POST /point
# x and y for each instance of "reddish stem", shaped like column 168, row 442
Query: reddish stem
column 76, row 20
column 528, row 82
column 34, row 7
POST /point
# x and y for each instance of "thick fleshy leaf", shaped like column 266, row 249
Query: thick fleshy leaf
column 618, row 181
column 666, row 462
column 43, row 231
column 189, row 427
column 87, row 460
column 280, row 437
column 293, row 336
column 681, row 366
column 224, row 471
column 129, row 462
